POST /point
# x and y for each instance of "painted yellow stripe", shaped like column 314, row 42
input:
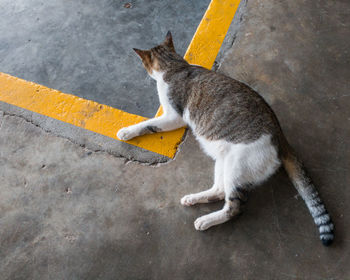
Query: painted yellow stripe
column 211, row 32
column 106, row 120
column 84, row 113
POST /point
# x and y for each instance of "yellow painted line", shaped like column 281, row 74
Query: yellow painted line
column 106, row 120
column 84, row 113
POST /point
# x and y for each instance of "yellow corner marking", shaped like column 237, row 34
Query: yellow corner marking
column 106, row 120
column 84, row 113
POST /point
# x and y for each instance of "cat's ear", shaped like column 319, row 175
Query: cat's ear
column 144, row 55
column 169, row 41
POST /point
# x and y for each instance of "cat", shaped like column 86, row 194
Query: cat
column 234, row 126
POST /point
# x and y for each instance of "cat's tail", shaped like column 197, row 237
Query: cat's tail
column 308, row 192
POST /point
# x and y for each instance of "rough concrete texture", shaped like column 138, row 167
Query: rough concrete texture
column 93, row 141
column 85, row 47
column 69, row 213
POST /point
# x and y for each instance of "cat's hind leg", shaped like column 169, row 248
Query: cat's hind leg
column 236, row 194
column 215, row 193
column 234, row 199
column 245, row 166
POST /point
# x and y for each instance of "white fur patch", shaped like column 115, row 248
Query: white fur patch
column 326, row 228
column 322, row 220
column 212, row 219
column 163, row 88
column 253, row 162
column 315, row 211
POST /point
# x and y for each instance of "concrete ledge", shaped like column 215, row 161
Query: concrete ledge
column 85, row 138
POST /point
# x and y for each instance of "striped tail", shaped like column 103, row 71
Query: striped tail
column 308, row 192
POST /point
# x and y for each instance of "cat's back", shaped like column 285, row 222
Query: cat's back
column 223, row 108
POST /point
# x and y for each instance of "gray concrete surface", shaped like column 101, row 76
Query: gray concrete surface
column 70, row 213
column 85, row 138
column 85, row 47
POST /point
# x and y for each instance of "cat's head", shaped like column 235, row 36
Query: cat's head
column 160, row 58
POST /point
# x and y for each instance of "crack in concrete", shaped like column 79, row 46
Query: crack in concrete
column 1, row 119
column 126, row 159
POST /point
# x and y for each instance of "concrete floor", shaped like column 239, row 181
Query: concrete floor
column 68, row 212
column 85, row 47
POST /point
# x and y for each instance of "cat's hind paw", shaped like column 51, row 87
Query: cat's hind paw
column 125, row 134
column 202, row 223
column 188, row 200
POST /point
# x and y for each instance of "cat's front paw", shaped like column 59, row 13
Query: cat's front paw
column 202, row 223
column 126, row 133
column 188, row 200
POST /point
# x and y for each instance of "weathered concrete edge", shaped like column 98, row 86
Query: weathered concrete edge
column 87, row 139
column 231, row 35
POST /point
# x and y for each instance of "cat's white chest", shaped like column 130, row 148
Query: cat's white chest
column 163, row 89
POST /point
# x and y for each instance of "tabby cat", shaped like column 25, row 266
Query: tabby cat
column 234, row 125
